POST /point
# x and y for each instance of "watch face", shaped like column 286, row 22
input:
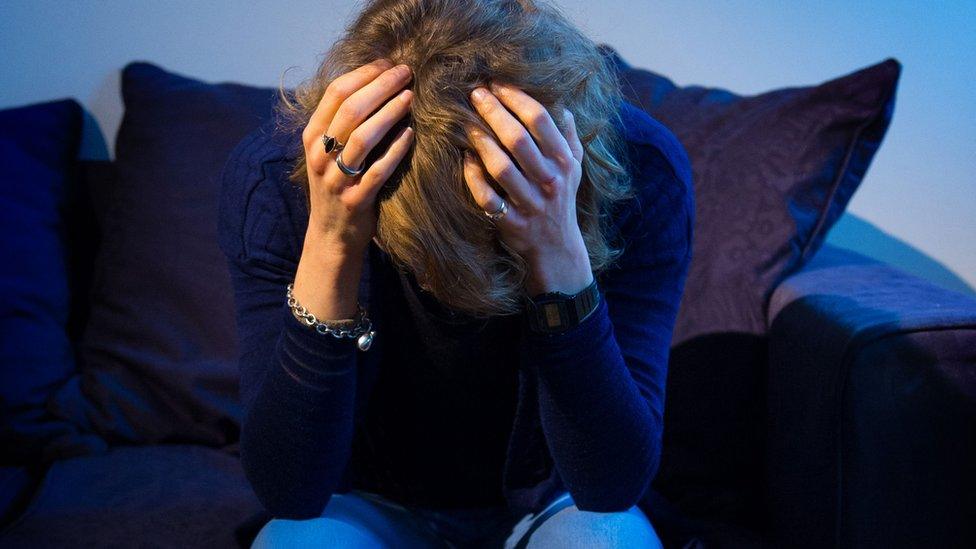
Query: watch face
column 551, row 314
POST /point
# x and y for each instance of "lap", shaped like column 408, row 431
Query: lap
column 354, row 519
column 361, row 519
column 562, row 524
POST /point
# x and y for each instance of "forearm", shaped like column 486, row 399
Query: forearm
column 297, row 434
column 297, row 429
column 604, row 434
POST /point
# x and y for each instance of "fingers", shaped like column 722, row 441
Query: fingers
column 337, row 92
column 482, row 192
column 536, row 119
column 372, row 180
column 572, row 138
column 504, row 171
column 365, row 136
column 361, row 104
column 512, row 133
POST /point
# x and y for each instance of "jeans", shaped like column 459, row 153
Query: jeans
column 360, row 519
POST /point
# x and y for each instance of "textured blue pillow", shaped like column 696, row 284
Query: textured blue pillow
column 38, row 149
column 159, row 352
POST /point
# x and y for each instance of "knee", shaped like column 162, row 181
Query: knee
column 321, row 531
column 571, row 527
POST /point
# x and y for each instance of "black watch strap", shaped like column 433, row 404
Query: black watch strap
column 554, row 312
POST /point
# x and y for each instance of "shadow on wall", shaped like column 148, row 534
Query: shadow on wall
column 93, row 145
column 854, row 233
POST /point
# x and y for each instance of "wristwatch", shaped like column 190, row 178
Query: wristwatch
column 554, row 312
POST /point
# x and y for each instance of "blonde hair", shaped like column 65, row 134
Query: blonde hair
column 427, row 219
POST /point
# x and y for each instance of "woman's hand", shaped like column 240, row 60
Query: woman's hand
column 541, row 221
column 342, row 216
column 341, row 210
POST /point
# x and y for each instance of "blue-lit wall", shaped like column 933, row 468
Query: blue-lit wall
column 916, row 207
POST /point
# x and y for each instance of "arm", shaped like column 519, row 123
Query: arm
column 297, row 386
column 601, row 383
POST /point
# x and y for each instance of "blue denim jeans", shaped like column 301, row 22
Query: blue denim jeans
column 363, row 519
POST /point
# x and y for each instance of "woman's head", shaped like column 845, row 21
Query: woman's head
column 428, row 222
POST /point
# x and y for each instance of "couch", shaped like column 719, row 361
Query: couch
column 816, row 396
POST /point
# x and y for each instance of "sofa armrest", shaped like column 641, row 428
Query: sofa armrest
column 871, row 407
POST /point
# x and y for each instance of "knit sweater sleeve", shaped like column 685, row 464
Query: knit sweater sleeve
column 601, row 383
column 297, row 386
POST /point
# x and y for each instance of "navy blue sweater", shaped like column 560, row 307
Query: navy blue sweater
column 588, row 401
column 435, row 433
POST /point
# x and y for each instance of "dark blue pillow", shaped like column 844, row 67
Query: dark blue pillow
column 159, row 355
column 39, row 184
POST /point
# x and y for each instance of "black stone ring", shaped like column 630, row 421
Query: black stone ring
column 332, row 144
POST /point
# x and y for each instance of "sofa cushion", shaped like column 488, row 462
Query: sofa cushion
column 159, row 355
column 39, row 186
column 772, row 173
column 157, row 496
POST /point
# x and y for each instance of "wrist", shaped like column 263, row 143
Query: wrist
column 567, row 271
column 327, row 279
column 557, row 313
column 332, row 247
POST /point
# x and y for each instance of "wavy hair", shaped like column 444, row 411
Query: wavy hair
column 428, row 222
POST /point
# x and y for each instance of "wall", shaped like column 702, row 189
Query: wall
column 914, row 208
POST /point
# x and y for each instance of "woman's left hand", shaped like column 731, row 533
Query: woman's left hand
column 541, row 220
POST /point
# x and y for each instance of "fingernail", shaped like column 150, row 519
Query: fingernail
column 479, row 94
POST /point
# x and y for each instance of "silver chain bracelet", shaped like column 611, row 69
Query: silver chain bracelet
column 358, row 327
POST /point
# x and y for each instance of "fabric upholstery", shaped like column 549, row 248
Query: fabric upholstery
column 38, row 188
column 772, row 174
column 16, row 486
column 871, row 408
column 159, row 355
column 154, row 496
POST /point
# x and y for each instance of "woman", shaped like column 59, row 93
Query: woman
column 409, row 374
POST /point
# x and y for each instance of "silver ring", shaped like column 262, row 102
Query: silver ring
column 332, row 144
column 346, row 169
column 500, row 212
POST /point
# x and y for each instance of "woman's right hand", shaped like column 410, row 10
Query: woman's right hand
column 341, row 210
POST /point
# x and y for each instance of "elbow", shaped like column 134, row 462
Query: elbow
column 623, row 489
column 293, row 508
column 286, row 488
column 606, row 500
column 284, row 499
column 653, row 463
